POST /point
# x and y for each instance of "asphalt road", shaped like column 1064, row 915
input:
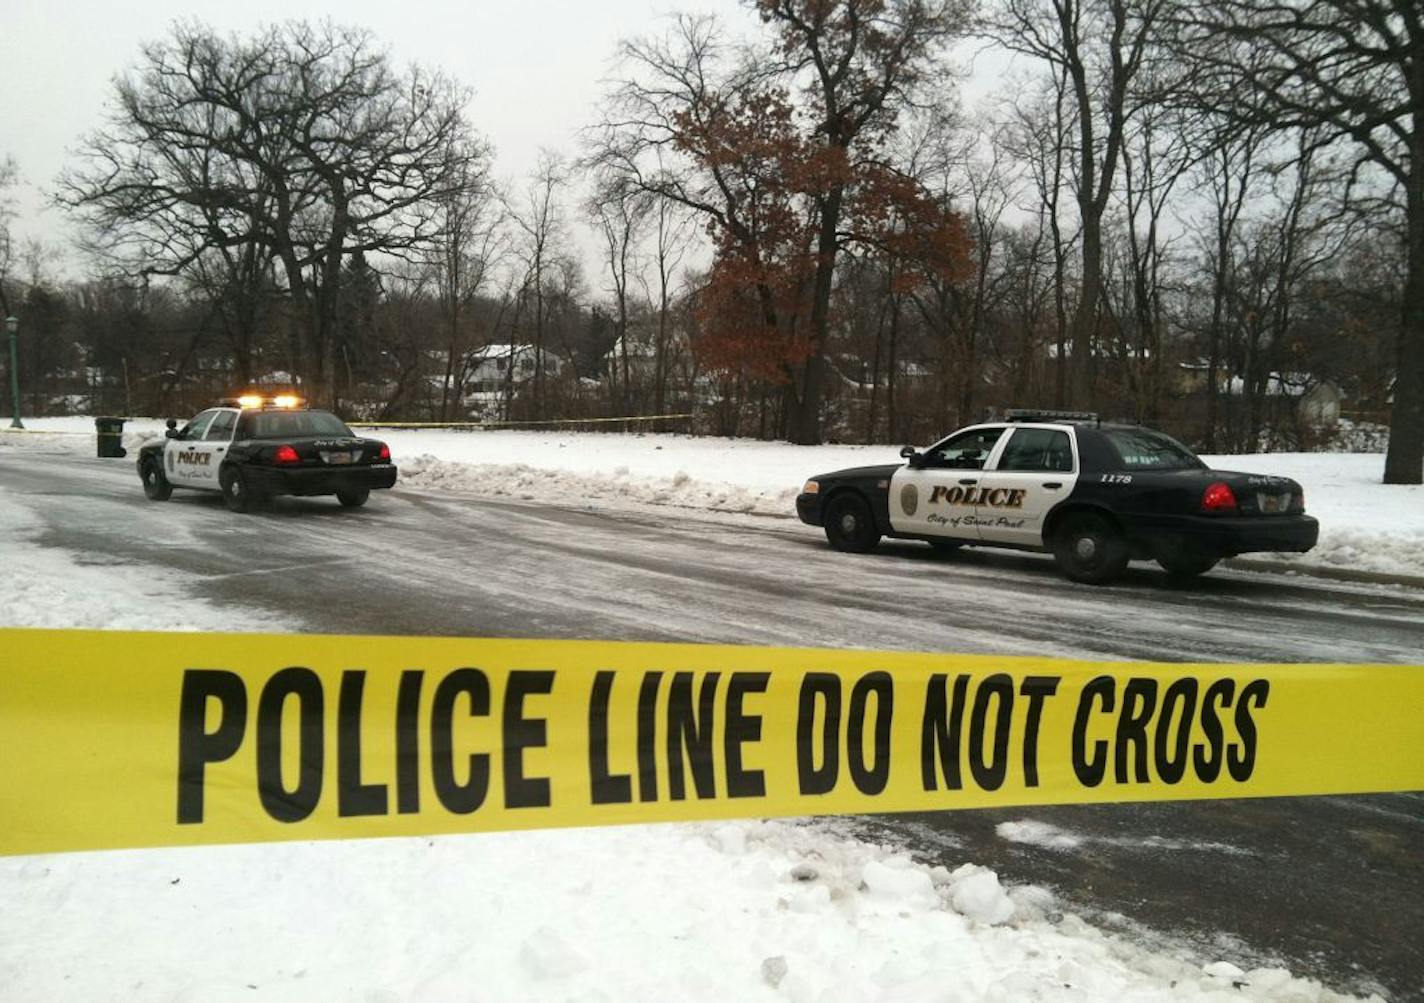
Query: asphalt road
column 1329, row 887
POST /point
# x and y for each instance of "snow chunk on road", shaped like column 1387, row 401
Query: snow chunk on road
column 1038, row 834
column 899, row 879
column 975, row 892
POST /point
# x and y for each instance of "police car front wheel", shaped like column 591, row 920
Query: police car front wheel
column 849, row 524
column 1090, row 549
column 155, row 484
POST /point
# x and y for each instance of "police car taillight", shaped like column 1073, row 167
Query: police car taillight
column 286, row 454
column 385, row 451
column 1218, row 497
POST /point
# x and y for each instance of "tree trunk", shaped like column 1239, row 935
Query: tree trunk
column 1404, row 463
column 804, row 427
column 1080, row 360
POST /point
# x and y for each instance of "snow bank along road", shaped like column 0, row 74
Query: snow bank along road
column 1329, row 886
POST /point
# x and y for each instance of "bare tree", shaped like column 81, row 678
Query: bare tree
column 9, row 178
column 539, row 218
column 1227, row 175
column 461, row 255
column 672, row 237
column 300, row 138
column 1099, row 47
column 1354, row 69
column 618, row 212
column 1039, row 135
column 1157, row 154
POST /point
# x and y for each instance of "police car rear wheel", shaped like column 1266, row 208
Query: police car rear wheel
column 849, row 524
column 237, row 495
column 353, row 498
column 1089, row 549
column 155, row 484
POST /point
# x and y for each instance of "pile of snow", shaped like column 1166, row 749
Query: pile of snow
column 729, row 911
column 1365, row 525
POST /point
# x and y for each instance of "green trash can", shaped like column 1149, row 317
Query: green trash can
column 111, row 437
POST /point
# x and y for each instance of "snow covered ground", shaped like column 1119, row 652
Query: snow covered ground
column 738, row 911
column 1365, row 525
column 735, row 911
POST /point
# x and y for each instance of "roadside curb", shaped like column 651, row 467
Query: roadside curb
column 1323, row 571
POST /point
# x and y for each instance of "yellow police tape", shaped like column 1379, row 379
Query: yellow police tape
column 507, row 424
column 112, row 739
column 47, row 431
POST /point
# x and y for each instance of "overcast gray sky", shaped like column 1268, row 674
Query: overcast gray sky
column 536, row 66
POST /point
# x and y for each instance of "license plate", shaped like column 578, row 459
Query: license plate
column 1273, row 504
column 338, row 458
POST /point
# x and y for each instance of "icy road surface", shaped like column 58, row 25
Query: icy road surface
column 1330, row 886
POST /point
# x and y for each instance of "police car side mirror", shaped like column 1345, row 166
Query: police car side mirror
column 915, row 459
column 170, row 433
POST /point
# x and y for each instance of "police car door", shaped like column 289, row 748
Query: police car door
column 1035, row 470
column 938, row 498
column 188, row 459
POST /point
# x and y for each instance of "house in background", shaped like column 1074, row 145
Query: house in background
column 491, row 366
column 1315, row 402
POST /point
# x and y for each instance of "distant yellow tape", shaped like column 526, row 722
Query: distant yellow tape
column 46, row 431
column 112, row 739
column 506, row 424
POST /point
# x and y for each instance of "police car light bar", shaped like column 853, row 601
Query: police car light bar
column 281, row 400
column 1028, row 414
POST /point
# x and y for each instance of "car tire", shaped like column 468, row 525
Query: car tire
column 237, row 494
column 353, row 497
column 849, row 525
column 1090, row 549
column 1183, row 566
column 155, row 482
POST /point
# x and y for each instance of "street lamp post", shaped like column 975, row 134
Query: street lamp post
column 12, row 324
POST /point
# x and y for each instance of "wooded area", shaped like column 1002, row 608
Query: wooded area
column 1208, row 218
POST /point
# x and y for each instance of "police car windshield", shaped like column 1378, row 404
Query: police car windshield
column 1140, row 449
column 291, row 424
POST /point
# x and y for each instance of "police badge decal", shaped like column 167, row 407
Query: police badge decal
column 909, row 499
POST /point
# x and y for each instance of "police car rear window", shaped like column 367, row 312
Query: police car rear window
column 1139, row 449
column 285, row 424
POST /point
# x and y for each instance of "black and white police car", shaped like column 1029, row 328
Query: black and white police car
column 254, row 447
column 1094, row 495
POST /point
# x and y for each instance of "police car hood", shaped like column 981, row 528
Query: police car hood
column 856, row 473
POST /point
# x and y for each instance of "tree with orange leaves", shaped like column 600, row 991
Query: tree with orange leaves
column 785, row 154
